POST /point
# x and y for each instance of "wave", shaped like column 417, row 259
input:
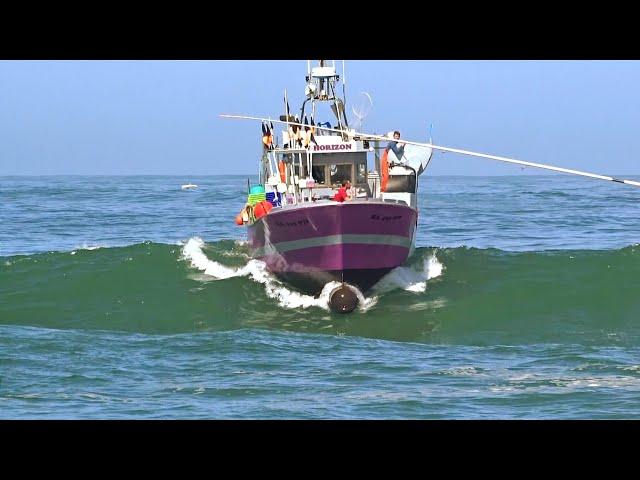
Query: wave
column 441, row 295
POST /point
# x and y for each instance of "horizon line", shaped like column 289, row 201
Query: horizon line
column 255, row 174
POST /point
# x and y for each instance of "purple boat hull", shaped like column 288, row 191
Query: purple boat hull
column 357, row 242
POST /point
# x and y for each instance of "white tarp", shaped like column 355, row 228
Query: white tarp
column 414, row 156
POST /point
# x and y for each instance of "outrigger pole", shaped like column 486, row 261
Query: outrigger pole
column 462, row 152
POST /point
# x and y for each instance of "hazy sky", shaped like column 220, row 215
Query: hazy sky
column 161, row 117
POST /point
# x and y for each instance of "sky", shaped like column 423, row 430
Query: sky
column 162, row 117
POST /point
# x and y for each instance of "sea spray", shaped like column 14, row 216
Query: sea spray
column 409, row 278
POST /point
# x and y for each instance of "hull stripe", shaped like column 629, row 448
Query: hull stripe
column 281, row 247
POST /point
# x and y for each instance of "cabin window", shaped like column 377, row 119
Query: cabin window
column 318, row 173
column 339, row 173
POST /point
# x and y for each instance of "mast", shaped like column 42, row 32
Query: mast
column 321, row 86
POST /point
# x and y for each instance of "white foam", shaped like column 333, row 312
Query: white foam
column 364, row 303
column 539, row 383
column 257, row 271
column 434, row 267
column 410, row 279
column 86, row 246
column 193, row 251
column 286, row 298
column 464, row 371
column 236, row 254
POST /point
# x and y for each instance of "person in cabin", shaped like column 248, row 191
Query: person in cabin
column 395, row 146
column 344, row 192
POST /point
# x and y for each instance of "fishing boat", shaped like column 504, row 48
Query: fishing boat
column 295, row 224
column 304, row 236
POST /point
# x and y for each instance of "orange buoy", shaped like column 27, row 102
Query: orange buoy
column 267, row 205
column 239, row 220
column 282, row 170
column 258, row 210
column 262, row 208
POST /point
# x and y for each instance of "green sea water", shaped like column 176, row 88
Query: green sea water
column 125, row 297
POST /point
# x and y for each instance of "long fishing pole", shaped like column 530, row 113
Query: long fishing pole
column 353, row 133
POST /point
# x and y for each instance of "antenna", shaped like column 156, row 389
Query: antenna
column 344, row 85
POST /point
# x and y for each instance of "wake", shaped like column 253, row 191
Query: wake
column 403, row 277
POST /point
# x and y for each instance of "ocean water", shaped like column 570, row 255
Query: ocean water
column 128, row 298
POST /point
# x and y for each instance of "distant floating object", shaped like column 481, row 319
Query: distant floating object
column 189, row 186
